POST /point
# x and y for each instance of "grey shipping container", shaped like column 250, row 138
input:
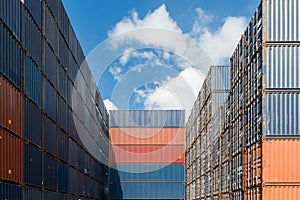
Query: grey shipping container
column 147, row 118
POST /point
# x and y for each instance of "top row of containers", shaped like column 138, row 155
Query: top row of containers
column 147, row 118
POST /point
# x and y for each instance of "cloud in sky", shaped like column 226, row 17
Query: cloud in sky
column 178, row 92
column 110, row 105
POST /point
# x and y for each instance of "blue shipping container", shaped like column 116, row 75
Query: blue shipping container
column 32, row 165
column 147, row 172
column 32, row 193
column 147, row 118
column 147, row 190
column 10, row 191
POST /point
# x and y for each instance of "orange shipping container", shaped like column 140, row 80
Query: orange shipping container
column 147, row 154
column 225, row 196
column 281, row 193
column 10, row 107
column 252, row 166
column 135, row 136
column 11, row 157
column 281, row 161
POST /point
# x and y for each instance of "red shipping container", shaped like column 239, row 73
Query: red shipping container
column 144, row 136
column 11, row 157
column 10, row 107
column 147, row 154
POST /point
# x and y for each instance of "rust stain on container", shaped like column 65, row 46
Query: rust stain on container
column 147, row 135
column 147, row 154
column 11, row 157
column 281, row 163
column 10, row 107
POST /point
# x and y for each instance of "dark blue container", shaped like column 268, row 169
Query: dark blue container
column 62, row 146
column 50, row 65
column 50, row 172
column 147, row 172
column 49, row 136
column 63, row 52
column 10, row 191
column 10, row 14
column 31, row 193
column 72, row 153
column 81, row 183
column 32, row 166
column 147, row 118
column 33, row 81
column 63, row 83
column 73, row 180
column 50, row 100
column 62, row 111
column 35, row 8
column 10, row 55
column 32, row 123
column 147, row 190
column 49, row 195
column 51, row 30
column 31, row 37
column 62, row 180
column 81, row 155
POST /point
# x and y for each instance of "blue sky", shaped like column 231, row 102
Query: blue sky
column 216, row 26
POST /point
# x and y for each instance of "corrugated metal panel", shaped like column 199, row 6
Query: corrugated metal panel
column 10, row 55
column 35, row 8
column 281, row 162
column 225, row 197
column 50, row 195
column 147, row 172
column 237, row 172
column 31, row 37
column 253, row 166
column 147, row 135
column 32, row 166
column 63, row 20
column 49, row 135
column 11, row 157
column 11, row 107
column 141, row 190
column 10, row 191
column 10, row 14
column 73, row 180
column 50, row 100
column 282, row 67
column 63, row 52
column 218, row 99
column 32, row 193
column 50, row 172
column 147, row 118
column 281, row 192
column 282, row 112
column 62, row 114
column 33, row 81
column 253, row 193
column 283, row 21
column 220, row 77
column 32, row 123
column 238, row 195
column 148, row 154
column 72, row 153
column 50, row 65
column 62, row 178
column 72, row 41
column 51, row 30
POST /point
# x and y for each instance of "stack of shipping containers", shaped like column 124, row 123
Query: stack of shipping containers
column 270, row 86
column 41, row 153
column 203, row 134
column 147, row 154
column 259, row 122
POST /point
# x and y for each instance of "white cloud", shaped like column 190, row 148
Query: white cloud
column 220, row 44
column 179, row 92
column 116, row 73
column 110, row 105
column 159, row 18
